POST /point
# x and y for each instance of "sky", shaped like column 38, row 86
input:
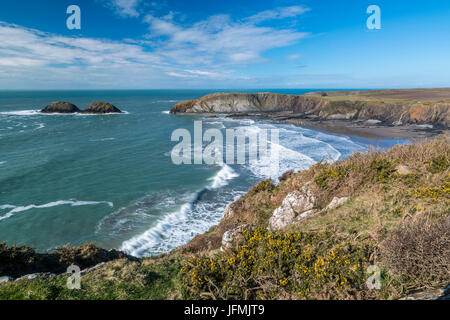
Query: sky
column 199, row 44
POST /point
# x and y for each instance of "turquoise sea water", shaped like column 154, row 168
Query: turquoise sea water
column 110, row 178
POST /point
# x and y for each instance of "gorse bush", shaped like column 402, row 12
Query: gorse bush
column 275, row 265
column 265, row 185
column 438, row 164
column 437, row 193
column 384, row 169
column 331, row 173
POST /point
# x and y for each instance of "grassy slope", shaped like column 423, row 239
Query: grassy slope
column 399, row 222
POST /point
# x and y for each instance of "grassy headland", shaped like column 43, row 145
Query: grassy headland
column 395, row 216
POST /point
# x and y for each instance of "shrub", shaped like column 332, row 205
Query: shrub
column 265, row 185
column 14, row 258
column 17, row 261
column 438, row 164
column 440, row 192
column 331, row 173
column 268, row 266
column 384, row 169
column 286, row 175
column 419, row 252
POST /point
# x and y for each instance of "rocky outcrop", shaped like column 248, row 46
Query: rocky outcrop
column 336, row 202
column 5, row 279
column 433, row 294
column 229, row 212
column 100, row 107
column 39, row 275
column 296, row 206
column 60, row 107
column 320, row 107
column 234, row 236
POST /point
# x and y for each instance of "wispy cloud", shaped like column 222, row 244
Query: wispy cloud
column 125, row 8
column 219, row 39
column 215, row 48
column 278, row 13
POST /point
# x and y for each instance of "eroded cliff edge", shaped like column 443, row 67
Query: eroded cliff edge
column 396, row 107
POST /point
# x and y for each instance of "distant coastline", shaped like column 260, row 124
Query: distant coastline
column 397, row 114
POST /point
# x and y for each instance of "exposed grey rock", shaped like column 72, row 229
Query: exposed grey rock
column 403, row 170
column 336, row 202
column 342, row 116
column 5, row 279
column 434, row 294
column 296, row 206
column 373, row 121
column 39, row 275
column 233, row 236
column 228, row 211
column 83, row 272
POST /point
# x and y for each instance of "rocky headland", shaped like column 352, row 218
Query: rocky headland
column 352, row 112
column 313, row 235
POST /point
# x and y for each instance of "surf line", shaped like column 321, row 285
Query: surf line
column 188, row 152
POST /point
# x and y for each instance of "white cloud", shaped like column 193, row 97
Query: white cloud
column 293, row 56
column 213, row 49
column 220, row 40
column 125, row 8
column 278, row 13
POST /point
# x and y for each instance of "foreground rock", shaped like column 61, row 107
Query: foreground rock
column 100, row 107
column 234, row 236
column 60, row 107
column 296, row 206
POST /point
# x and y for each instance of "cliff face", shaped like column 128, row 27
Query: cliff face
column 391, row 112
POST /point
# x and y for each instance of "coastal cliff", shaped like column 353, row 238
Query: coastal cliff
column 314, row 235
column 395, row 107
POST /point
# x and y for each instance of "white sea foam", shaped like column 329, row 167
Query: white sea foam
column 21, row 113
column 73, row 203
column 178, row 227
column 101, row 140
column 223, row 176
column 166, row 112
column 139, row 245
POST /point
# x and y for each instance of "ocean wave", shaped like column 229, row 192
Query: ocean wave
column 73, row 203
column 223, row 176
column 180, row 226
column 21, row 113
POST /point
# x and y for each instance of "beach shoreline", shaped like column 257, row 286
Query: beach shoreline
column 360, row 129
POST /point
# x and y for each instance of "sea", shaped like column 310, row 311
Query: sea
column 110, row 179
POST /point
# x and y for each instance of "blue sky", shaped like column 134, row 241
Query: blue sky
column 139, row 44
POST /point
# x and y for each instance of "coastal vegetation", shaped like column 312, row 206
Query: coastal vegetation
column 394, row 215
